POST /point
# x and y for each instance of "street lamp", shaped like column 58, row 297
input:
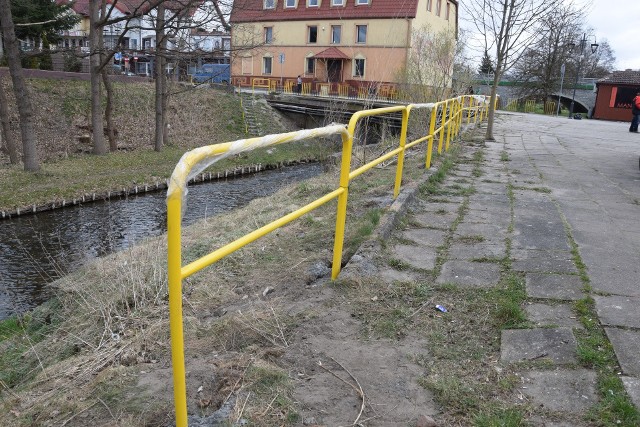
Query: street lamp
column 583, row 44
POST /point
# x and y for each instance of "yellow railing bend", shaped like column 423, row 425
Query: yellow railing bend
column 195, row 161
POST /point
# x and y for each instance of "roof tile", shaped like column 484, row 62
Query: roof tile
column 625, row 77
column 253, row 10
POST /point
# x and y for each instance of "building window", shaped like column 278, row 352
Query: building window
column 290, row 3
column 337, row 2
column 361, row 33
column 312, row 3
column 247, row 65
column 269, row 4
column 268, row 35
column 336, row 34
column 358, row 67
column 267, row 61
column 447, row 11
column 438, row 7
column 310, row 66
column 313, row 34
column 361, row 2
column 429, row 3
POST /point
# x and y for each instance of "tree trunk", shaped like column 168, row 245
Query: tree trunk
column 160, row 78
column 108, row 111
column 23, row 100
column 9, row 142
column 95, row 45
column 492, row 105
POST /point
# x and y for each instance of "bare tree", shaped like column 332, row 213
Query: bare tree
column 508, row 27
column 95, row 60
column 23, row 100
column 430, row 63
column 9, row 142
column 539, row 66
column 161, row 83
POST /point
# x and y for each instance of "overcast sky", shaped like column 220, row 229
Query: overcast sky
column 618, row 21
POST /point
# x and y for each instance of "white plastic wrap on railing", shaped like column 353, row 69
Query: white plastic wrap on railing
column 195, row 161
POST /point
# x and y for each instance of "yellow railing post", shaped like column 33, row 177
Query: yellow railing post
column 403, row 142
column 174, row 265
column 443, row 115
column 450, row 123
column 341, row 210
column 432, row 129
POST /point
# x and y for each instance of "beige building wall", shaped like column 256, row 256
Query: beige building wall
column 430, row 18
column 384, row 51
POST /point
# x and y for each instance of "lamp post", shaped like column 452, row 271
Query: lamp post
column 583, row 43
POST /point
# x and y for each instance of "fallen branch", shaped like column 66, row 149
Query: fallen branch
column 358, row 390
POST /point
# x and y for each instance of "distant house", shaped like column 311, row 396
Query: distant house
column 359, row 43
column 614, row 95
column 134, row 38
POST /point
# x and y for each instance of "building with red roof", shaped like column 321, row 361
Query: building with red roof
column 331, row 43
column 614, row 95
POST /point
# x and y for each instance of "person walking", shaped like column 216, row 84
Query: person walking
column 635, row 111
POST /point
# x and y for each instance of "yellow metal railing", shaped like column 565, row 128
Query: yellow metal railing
column 260, row 83
column 445, row 123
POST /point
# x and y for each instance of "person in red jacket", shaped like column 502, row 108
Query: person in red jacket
column 635, row 110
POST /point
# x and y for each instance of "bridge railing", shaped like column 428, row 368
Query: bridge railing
column 445, row 123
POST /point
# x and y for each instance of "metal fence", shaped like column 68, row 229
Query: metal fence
column 445, row 122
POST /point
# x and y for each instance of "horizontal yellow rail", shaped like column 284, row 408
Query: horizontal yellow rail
column 444, row 123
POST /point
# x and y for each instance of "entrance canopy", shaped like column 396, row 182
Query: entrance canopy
column 331, row 53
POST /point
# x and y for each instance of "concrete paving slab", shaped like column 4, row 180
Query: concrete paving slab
column 469, row 274
column 425, row 236
column 534, row 261
column 632, row 386
column 490, row 188
column 470, row 251
column 429, row 207
column 618, row 311
column 552, row 315
column 626, row 345
column 539, row 232
column 562, row 390
column 499, row 217
column 416, row 256
column 437, row 220
column 489, row 232
column 557, row 344
column 490, row 199
column 554, row 286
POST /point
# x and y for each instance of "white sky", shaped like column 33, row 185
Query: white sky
column 618, row 21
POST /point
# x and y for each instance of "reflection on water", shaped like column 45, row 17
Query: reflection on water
column 35, row 250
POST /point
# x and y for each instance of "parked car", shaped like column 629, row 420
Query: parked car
column 213, row 73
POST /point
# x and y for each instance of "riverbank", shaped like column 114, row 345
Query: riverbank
column 198, row 116
column 99, row 351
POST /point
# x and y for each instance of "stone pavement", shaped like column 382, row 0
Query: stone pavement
column 567, row 185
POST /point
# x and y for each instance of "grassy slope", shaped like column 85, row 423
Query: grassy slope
column 197, row 117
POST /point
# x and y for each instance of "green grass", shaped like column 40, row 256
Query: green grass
column 85, row 175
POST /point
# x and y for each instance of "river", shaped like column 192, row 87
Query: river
column 37, row 249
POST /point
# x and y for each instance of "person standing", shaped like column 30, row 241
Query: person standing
column 635, row 110
column 299, row 87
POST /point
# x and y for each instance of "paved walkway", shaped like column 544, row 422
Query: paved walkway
column 576, row 185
